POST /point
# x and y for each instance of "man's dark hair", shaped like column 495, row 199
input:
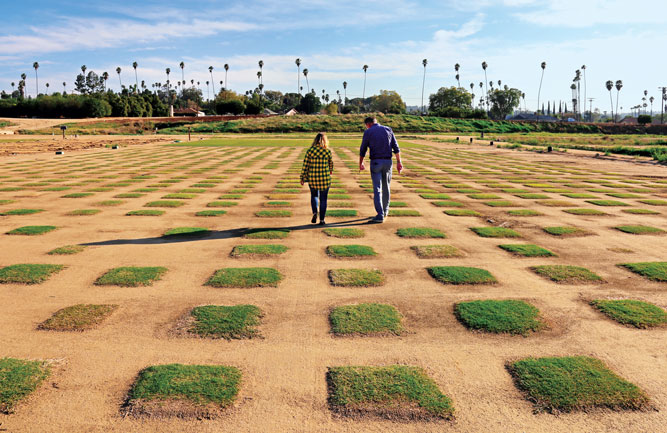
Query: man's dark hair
column 370, row 120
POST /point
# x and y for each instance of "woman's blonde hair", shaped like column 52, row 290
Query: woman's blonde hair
column 321, row 140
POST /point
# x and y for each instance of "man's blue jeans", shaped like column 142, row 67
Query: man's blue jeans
column 319, row 197
column 381, row 177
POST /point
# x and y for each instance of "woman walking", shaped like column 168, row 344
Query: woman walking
column 317, row 169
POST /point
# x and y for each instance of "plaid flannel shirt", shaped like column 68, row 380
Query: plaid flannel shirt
column 317, row 167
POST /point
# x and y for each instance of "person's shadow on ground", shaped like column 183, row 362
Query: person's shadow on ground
column 226, row 234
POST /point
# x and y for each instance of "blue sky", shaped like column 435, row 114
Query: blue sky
column 614, row 39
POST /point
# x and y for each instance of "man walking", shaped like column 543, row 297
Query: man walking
column 382, row 143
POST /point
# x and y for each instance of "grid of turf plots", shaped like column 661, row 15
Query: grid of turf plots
column 199, row 176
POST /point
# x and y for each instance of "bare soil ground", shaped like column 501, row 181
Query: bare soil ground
column 284, row 386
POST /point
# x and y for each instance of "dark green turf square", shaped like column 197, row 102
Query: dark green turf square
column 365, row 319
column 264, row 250
column 228, row 322
column 654, row 271
column 350, row 251
column 420, row 233
column 495, row 232
column 631, row 312
column 245, row 277
column 27, row 273
column 18, row 379
column 31, row 230
column 461, row 275
column 505, row 316
column 527, row 250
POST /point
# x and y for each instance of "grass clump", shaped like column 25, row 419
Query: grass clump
column 194, row 391
column 365, row 319
column 495, row 232
column 210, row 213
column 507, row 316
column 21, row 212
column 523, row 212
column 501, row 203
column 278, row 204
column 584, row 211
column 266, row 233
column 483, row 196
column 78, row 317
column 131, row 276
column 31, row 230
column 350, row 251
column 344, row 233
column 447, row 203
column 566, row 231
column 178, row 196
column 567, row 274
column 129, row 195
column 84, row 212
column 165, row 203
column 338, row 213
column 109, row 203
column 228, row 322
column 187, row 231
column 564, row 384
column 18, row 379
column 640, row 230
column 245, row 277
column 420, row 232
column 394, row 392
column 462, row 212
column 640, row 211
column 654, row 202
column 639, row 314
column 607, row 203
column 436, row 251
column 27, row 273
column 258, row 250
column 67, row 250
column 403, row 213
column 78, row 195
column 532, row 196
column 654, row 271
column 556, row 203
column 145, row 212
column 356, row 277
column 461, row 275
column 527, row 250
column 435, row 196
column 274, row 213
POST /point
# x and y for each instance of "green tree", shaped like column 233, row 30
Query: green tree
column 310, row 104
column 449, row 97
column 331, row 109
column 504, row 101
column 388, row 101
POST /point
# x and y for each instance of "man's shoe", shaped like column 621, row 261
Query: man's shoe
column 377, row 220
column 323, row 223
column 314, row 219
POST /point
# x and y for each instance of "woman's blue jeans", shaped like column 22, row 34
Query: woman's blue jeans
column 318, row 197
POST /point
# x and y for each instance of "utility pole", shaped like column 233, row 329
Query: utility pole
column 662, row 103
column 590, row 111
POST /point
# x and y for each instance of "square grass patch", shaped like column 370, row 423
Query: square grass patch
column 21, row 212
column 67, row 250
column 584, row 211
column 532, row 196
column 462, row 212
column 344, row 233
column 566, row 274
column 356, row 277
column 564, row 231
column 565, row 384
column 31, row 230
column 447, row 203
column 403, row 213
column 222, row 204
column 278, row 204
column 78, row 317
column 495, row 232
column 179, row 196
column 556, row 203
column 420, row 233
column 183, row 391
column 245, row 277
column 131, row 276
column 129, row 195
column 435, row 196
column 18, row 379
column 266, row 233
column 27, row 273
column 396, row 392
column 504, row 316
column 78, row 195
column 527, row 250
column 607, row 203
column 365, row 320
column 654, row 202
column 523, row 212
column 210, row 213
column 274, row 214
column 109, row 203
column 631, row 312
column 436, row 251
column 84, row 212
column 345, row 251
column 640, row 211
column 340, row 213
column 654, row 271
column 484, row 196
column 461, row 275
column 145, row 212
column 187, row 231
column 501, row 203
column 265, row 250
column 165, row 203
column 578, row 195
column 640, row 230
column 228, row 322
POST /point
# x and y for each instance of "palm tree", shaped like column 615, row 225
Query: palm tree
column 261, row 65
column 226, row 82
column 583, row 68
column 36, row 66
column 13, row 85
column 119, row 80
column 424, row 62
column 105, row 77
column 456, row 68
column 610, row 85
column 143, row 84
column 192, row 83
column 305, row 74
column 484, row 66
column 298, row 75
column 210, row 70
column 472, row 89
column 259, row 77
column 543, row 66
column 523, row 96
column 365, row 68
column 208, row 91
column 651, row 99
column 168, row 71
column 47, row 88
column 619, row 86
column 136, row 78
column 182, row 66
column 64, row 87
column 345, row 90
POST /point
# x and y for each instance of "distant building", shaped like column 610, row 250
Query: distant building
column 188, row 112
column 292, row 112
column 269, row 112
column 629, row 120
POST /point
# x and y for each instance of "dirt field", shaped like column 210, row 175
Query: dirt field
column 283, row 386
